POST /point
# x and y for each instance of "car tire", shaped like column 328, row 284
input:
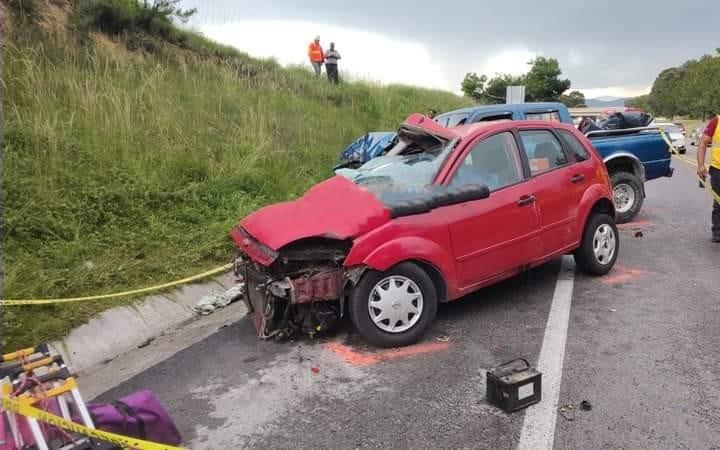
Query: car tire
column 600, row 245
column 407, row 280
column 628, row 193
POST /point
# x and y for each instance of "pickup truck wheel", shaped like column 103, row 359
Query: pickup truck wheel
column 395, row 307
column 600, row 244
column 627, row 190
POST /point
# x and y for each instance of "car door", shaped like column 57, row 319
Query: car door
column 499, row 234
column 556, row 187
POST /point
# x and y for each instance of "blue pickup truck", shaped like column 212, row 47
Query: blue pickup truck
column 632, row 155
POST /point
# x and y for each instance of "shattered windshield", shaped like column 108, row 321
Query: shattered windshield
column 409, row 172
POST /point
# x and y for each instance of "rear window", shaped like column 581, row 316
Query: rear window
column 574, row 145
column 544, row 152
column 452, row 120
column 548, row 116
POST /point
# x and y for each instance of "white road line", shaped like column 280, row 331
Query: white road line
column 538, row 432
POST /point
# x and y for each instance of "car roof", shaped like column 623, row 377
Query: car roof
column 498, row 108
column 498, row 125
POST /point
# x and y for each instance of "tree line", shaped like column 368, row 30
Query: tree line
column 542, row 84
column 691, row 90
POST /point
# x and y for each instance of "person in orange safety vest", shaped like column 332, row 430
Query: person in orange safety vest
column 316, row 55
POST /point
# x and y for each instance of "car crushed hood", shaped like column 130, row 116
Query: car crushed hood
column 335, row 208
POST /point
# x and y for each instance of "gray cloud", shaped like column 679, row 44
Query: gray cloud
column 598, row 44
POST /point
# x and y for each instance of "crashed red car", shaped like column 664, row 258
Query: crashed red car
column 442, row 214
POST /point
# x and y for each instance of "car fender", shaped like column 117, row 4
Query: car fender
column 638, row 167
column 410, row 248
column 591, row 196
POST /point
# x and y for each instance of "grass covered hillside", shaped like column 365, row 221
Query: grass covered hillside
column 128, row 155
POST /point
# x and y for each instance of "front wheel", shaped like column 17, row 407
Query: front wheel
column 600, row 245
column 395, row 307
column 628, row 193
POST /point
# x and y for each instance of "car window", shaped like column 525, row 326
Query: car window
column 457, row 119
column 543, row 151
column 549, row 116
column 496, row 116
column 493, row 161
column 574, row 145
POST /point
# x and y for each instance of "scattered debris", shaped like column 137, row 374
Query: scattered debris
column 315, row 370
column 639, row 234
column 442, row 338
column 146, row 343
column 585, row 405
column 216, row 300
column 568, row 412
column 613, row 310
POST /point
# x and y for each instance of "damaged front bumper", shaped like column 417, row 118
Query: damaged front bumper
column 280, row 306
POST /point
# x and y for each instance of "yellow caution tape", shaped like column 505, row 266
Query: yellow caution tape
column 23, row 409
column 689, row 162
column 116, row 294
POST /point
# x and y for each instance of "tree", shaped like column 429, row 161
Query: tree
column 542, row 83
column 473, row 85
column 573, row 99
column 496, row 88
column 488, row 91
column 640, row 102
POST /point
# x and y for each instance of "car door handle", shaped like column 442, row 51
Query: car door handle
column 526, row 200
column 577, row 178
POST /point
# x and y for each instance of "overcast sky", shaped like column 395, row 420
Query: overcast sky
column 606, row 48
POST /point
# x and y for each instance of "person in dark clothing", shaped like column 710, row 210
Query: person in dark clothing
column 331, row 64
column 711, row 139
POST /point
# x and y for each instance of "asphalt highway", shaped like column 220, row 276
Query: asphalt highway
column 641, row 346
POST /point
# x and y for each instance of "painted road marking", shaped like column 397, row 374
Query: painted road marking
column 357, row 358
column 538, row 430
column 638, row 224
column 621, row 274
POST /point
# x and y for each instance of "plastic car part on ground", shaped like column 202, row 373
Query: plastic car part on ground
column 217, row 300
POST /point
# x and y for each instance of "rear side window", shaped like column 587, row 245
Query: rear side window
column 548, row 116
column 490, row 118
column 457, row 119
column 543, row 150
column 574, row 145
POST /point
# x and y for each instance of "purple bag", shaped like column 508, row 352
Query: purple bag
column 138, row 415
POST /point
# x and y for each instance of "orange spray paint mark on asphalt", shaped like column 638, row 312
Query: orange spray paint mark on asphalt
column 635, row 225
column 621, row 274
column 366, row 358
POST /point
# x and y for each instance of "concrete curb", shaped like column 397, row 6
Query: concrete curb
column 119, row 330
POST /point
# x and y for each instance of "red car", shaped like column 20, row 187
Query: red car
column 444, row 213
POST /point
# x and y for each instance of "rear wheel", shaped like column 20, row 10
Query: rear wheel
column 395, row 307
column 600, row 244
column 628, row 193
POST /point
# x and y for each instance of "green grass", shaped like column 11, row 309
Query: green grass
column 123, row 170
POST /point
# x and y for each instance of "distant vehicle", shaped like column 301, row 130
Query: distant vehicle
column 448, row 212
column 632, row 156
column 696, row 134
column 676, row 133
